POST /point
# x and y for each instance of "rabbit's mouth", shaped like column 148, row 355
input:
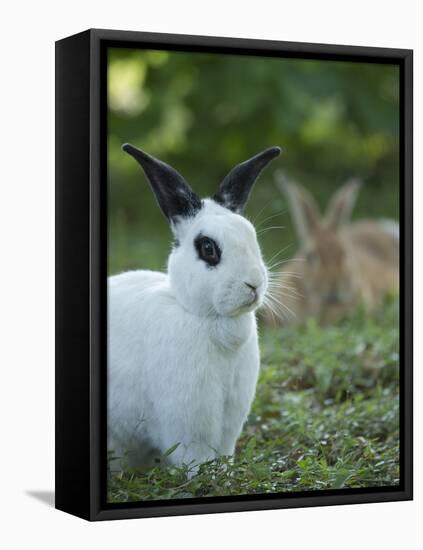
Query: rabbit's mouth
column 253, row 299
column 239, row 299
column 251, row 303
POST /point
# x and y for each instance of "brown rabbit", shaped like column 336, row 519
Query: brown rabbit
column 339, row 264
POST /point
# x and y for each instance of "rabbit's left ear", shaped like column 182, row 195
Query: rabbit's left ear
column 175, row 197
column 342, row 203
column 236, row 187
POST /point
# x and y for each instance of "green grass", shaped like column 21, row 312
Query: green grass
column 325, row 416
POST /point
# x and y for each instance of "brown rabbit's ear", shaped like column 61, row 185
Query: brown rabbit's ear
column 342, row 203
column 304, row 209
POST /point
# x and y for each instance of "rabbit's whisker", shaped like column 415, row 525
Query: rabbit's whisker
column 280, row 252
column 277, row 313
column 286, row 261
column 277, row 264
column 281, row 304
column 266, row 229
column 278, row 297
column 269, row 217
column 287, row 293
column 278, row 275
column 273, row 258
column 274, row 312
column 277, row 287
column 282, row 275
column 268, row 306
column 257, row 216
column 284, row 295
column 271, row 269
column 279, row 280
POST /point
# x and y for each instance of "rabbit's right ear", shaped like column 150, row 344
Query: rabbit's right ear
column 304, row 209
column 175, row 197
column 342, row 203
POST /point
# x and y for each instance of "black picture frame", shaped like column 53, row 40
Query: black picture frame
column 81, row 268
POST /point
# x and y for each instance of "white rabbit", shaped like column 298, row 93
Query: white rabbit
column 183, row 345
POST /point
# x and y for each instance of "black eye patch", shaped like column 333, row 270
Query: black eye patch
column 208, row 250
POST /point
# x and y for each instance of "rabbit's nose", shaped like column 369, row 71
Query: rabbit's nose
column 253, row 287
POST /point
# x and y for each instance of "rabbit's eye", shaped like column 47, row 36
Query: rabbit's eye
column 208, row 250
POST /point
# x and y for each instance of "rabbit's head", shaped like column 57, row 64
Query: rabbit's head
column 215, row 267
column 328, row 275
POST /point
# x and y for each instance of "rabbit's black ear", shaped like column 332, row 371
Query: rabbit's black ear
column 236, row 187
column 175, row 197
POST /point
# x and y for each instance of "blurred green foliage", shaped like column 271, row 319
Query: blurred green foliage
column 204, row 113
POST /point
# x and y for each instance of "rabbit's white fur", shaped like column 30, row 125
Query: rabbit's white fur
column 183, row 346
